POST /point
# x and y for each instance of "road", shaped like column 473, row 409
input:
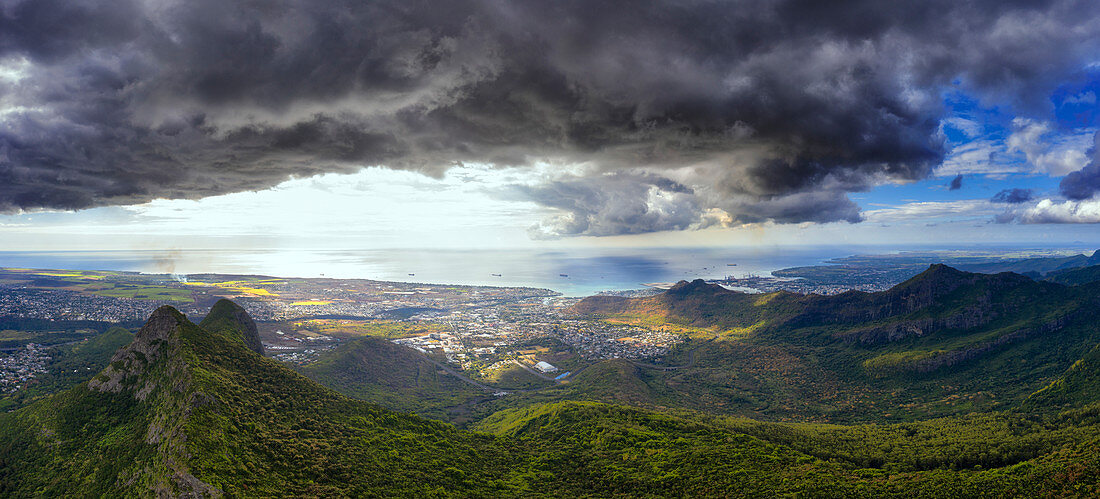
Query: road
column 536, row 373
column 454, row 373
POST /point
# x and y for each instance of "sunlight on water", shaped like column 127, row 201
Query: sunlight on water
column 572, row 272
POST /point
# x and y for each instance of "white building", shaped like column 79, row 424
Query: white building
column 545, row 367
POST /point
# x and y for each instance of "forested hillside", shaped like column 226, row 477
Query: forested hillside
column 187, row 410
column 944, row 342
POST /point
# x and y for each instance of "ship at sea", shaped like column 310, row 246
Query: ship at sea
column 563, row 275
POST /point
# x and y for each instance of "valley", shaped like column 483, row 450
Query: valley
column 951, row 380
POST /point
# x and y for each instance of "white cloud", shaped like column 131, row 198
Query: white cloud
column 1082, row 98
column 14, row 69
column 981, row 157
column 1032, row 147
column 1047, row 151
column 1049, row 211
column 933, row 211
column 968, row 127
column 374, row 207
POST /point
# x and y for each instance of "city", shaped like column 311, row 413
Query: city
column 475, row 329
column 19, row 366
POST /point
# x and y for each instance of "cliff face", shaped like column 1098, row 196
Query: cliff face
column 969, row 318
column 188, row 412
column 156, row 368
column 955, row 357
column 132, row 367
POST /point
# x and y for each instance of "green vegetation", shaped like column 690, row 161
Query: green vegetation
column 101, row 283
column 379, row 328
column 71, row 365
column 184, row 410
column 516, row 378
column 613, row 449
column 139, row 292
column 229, row 320
column 1076, row 276
column 943, row 343
column 15, row 338
column 194, row 409
column 1080, row 384
column 392, row 376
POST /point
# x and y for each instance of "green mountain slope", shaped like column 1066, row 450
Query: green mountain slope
column 186, row 411
column 392, row 376
column 1075, row 277
column 1040, row 266
column 944, row 342
column 616, row 381
column 233, row 322
column 610, row 449
column 1079, row 386
column 72, row 364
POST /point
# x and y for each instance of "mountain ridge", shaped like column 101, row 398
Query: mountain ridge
column 921, row 341
column 1040, row 266
column 1075, row 276
column 183, row 411
column 232, row 320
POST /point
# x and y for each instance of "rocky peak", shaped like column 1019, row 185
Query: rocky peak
column 161, row 325
column 131, row 365
column 940, row 270
column 685, row 287
column 232, row 321
column 937, row 279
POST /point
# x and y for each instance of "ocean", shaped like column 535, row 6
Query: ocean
column 573, row 272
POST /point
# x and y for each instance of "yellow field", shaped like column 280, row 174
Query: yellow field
column 251, row 291
column 81, row 275
column 239, row 287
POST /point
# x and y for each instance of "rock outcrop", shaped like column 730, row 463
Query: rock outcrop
column 231, row 320
column 132, row 366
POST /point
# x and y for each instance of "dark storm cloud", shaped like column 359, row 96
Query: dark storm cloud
column 955, row 183
column 611, row 204
column 1013, row 196
column 767, row 110
column 1084, row 183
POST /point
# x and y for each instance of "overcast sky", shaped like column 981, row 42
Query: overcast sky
column 482, row 123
